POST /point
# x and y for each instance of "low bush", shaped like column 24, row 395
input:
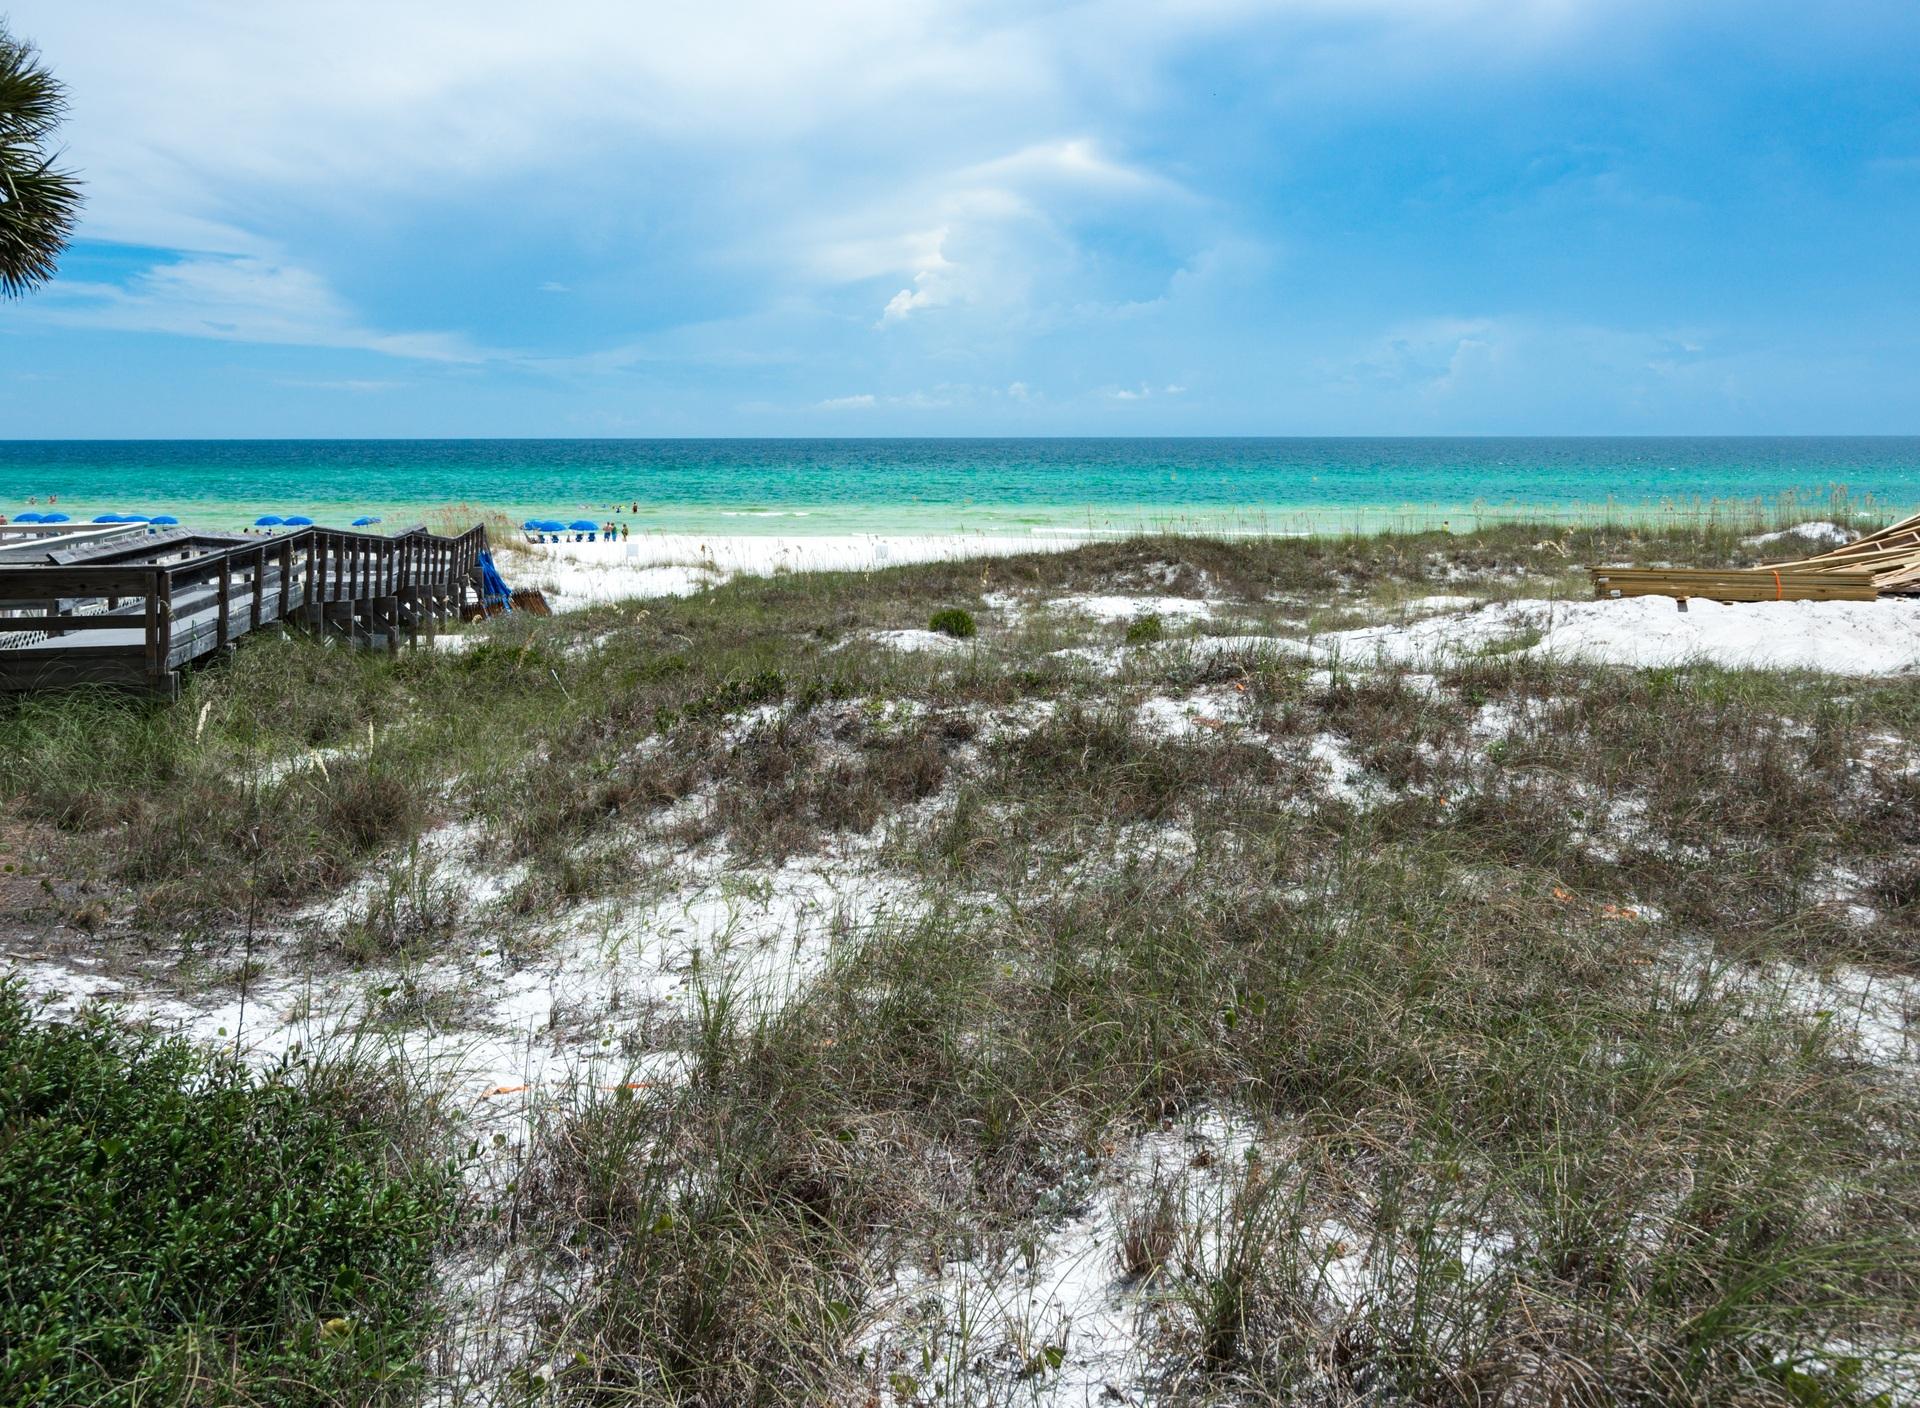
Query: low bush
column 175, row 1229
column 954, row 621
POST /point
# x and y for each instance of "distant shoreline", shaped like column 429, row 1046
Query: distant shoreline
column 1039, row 524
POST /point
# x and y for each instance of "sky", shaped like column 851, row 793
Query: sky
column 932, row 217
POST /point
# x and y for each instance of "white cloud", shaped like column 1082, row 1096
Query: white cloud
column 358, row 385
column 939, row 398
column 928, row 291
column 1077, row 163
column 240, row 299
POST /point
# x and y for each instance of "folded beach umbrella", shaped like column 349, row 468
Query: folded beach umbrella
column 581, row 525
column 298, row 520
column 166, row 519
column 268, row 520
column 28, row 517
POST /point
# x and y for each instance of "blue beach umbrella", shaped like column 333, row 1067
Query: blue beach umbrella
column 28, row 517
column 364, row 522
column 166, row 519
column 583, row 525
column 551, row 525
column 532, row 525
column 108, row 518
column 268, row 520
column 55, row 518
column 298, row 520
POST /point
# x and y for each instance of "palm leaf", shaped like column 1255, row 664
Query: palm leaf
column 39, row 203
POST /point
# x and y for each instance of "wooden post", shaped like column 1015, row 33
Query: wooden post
column 286, row 577
column 259, row 584
column 226, row 594
column 163, row 630
column 156, row 651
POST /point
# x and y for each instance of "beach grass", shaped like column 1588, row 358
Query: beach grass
column 1487, row 1030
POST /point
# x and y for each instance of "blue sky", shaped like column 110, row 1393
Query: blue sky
column 597, row 217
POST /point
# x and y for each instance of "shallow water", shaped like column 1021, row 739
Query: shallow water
column 1070, row 486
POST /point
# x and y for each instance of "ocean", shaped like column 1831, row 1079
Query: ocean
column 1060, row 486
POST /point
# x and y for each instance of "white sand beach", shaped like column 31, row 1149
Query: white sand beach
column 1839, row 637
column 575, row 574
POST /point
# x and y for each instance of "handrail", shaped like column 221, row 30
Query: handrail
column 331, row 565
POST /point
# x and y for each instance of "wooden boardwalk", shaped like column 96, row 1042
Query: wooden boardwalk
column 134, row 609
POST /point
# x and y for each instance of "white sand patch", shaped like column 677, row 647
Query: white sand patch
column 1873, row 1015
column 1053, row 1320
column 1131, row 608
column 55, row 985
column 918, row 642
column 570, row 584
column 1347, row 780
column 1013, row 608
column 442, row 867
column 1837, row 637
column 590, row 995
column 1208, row 712
column 1441, row 602
column 1819, row 531
column 996, row 724
column 679, row 564
column 1100, row 659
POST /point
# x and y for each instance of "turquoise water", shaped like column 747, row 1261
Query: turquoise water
column 1018, row 486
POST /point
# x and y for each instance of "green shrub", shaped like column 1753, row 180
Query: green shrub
column 954, row 621
column 176, row 1229
column 1144, row 630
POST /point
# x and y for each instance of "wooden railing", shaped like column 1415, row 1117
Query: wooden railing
column 187, row 609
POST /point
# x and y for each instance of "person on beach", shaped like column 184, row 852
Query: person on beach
column 623, row 532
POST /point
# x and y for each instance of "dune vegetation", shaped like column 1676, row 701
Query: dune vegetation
column 760, row 997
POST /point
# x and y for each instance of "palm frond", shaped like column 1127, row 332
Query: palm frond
column 39, row 203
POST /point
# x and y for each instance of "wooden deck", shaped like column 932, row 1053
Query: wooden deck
column 134, row 610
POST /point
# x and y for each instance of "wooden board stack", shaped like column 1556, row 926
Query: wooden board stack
column 1886, row 563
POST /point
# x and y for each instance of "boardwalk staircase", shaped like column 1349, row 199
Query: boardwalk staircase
column 134, row 609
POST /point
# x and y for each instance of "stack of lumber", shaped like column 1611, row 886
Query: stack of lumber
column 1886, row 563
